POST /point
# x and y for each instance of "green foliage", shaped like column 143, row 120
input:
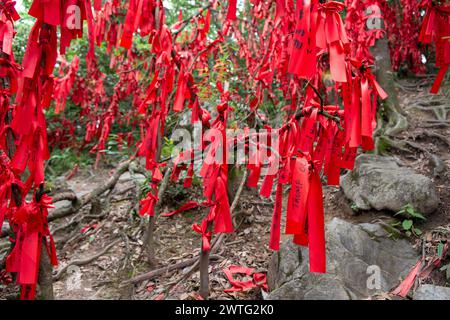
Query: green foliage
column 64, row 160
column 354, row 207
column 22, row 31
column 407, row 225
column 446, row 267
column 167, row 149
column 408, row 211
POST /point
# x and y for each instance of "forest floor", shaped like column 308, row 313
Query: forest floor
column 116, row 222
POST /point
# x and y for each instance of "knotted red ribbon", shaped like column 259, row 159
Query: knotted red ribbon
column 331, row 36
column 360, row 99
column 29, row 222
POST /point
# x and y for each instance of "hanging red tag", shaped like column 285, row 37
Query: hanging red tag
column 316, row 225
column 298, row 196
column 303, row 60
column 231, row 14
column 274, row 243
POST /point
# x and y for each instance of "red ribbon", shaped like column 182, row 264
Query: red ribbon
column 332, row 36
column 231, row 13
column 436, row 26
column 31, row 228
column 303, row 61
column 258, row 279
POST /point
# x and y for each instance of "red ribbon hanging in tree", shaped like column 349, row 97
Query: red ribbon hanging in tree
column 436, row 27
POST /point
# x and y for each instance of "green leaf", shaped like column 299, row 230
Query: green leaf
column 447, row 270
column 408, row 233
column 407, row 224
column 418, row 215
column 440, row 249
column 417, row 231
column 410, row 210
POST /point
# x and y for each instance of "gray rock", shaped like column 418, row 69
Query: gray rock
column 431, row 292
column 61, row 204
column 380, row 183
column 362, row 261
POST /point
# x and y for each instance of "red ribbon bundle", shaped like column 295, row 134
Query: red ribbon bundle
column 303, row 60
column 141, row 15
column 231, row 14
column 436, row 27
column 69, row 14
column 64, row 84
column 360, row 101
column 29, row 222
column 35, row 89
column 332, row 37
column 319, row 26
column 215, row 178
column 34, row 94
column 7, row 178
column 304, row 217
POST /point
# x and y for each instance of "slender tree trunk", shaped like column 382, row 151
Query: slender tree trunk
column 204, row 274
column 204, row 269
column 393, row 118
column 45, row 275
column 149, row 238
column 150, row 243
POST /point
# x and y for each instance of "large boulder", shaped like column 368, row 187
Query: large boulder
column 432, row 292
column 362, row 261
column 380, row 183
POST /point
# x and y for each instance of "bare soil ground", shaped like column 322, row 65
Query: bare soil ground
column 91, row 231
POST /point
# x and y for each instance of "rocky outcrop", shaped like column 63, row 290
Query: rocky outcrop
column 361, row 261
column 381, row 183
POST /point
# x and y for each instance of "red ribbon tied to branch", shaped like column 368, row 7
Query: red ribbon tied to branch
column 436, row 27
column 303, row 60
column 331, row 36
column 29, row 222
column 360, row 101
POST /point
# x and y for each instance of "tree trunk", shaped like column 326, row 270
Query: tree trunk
column 204, row 268
column 393, row 118
column 149, row 238
column 149, row 241
column 45, row 276
column 204, row 274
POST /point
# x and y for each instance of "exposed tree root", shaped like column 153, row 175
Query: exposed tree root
column 438, row 164
column 85, row 261
column 77, row 204
column 438, row 136
column 158, row 272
